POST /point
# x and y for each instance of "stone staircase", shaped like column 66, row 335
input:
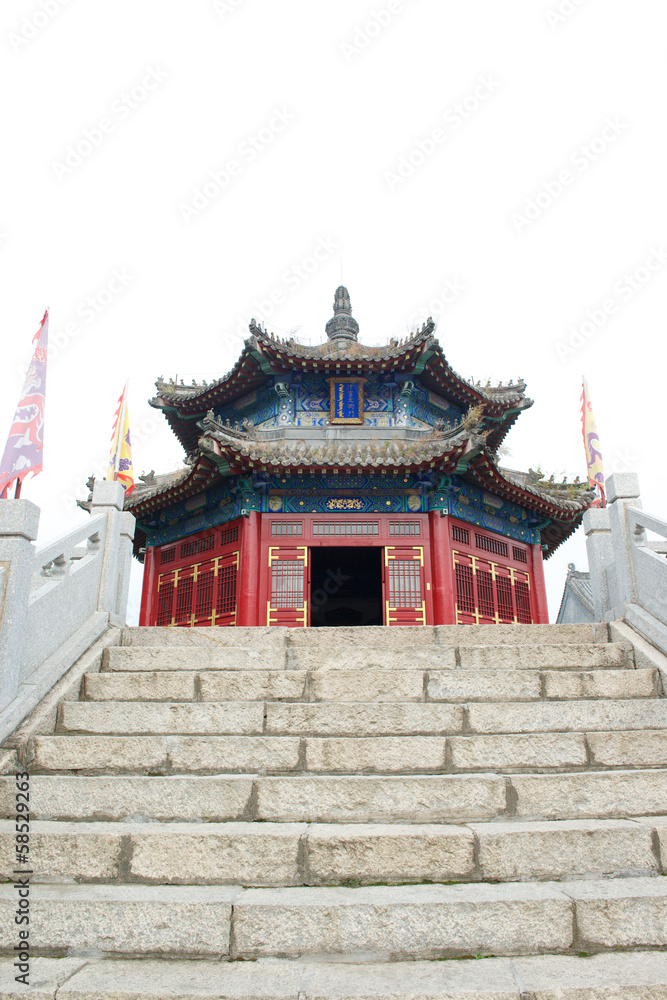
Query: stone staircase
column 371, row 813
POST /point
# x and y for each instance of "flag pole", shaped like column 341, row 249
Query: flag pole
column 17, row 490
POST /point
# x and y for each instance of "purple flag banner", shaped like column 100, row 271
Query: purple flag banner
column 23, row 451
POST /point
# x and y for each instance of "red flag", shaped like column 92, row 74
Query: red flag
column 23, row 451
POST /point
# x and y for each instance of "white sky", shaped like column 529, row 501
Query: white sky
column 348, row 107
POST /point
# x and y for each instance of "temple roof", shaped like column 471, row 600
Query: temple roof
column 264, row 355
column 577, row 586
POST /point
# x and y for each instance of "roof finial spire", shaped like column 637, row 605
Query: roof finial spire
column 342, row 326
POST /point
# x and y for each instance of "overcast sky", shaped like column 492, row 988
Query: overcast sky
column 170, row 168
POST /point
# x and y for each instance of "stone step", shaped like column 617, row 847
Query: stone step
column 358, row 718
column 379, row 922
column 418, row 798
column 639, row 975
column 543, row 656
column 349, row 755
column 236, row 717
column 443, row 635
column 371, row 685
column 410, row 655
column 546, row 751
column 209, row 658
column 291, row 854
column 568, row 656
column 571, row 716
column 158, row 754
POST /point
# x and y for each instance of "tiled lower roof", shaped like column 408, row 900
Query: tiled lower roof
column 243, row 447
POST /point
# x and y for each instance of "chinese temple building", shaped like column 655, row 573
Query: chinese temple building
column 344, row 484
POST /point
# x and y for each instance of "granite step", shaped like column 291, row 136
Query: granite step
column 300, row 854
column 394, row 636
column 416, row 799
column 639, row 975
column 412, row 653
column 385, row 685
column 545, row 656
column 528, row 752
column 371, row 923
column 361, row 719
column 213, row 657
column 362, row 798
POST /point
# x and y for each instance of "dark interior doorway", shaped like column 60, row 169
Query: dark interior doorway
column 345, row 586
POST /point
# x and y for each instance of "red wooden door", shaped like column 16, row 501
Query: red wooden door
column 404, row 585
column 288, row 586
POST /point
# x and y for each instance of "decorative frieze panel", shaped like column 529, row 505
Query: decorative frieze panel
column 343, row 494
column 485, row 510
column 363, row 504
column 206, row 510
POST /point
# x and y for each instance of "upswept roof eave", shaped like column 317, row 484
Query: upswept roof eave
column 496, row 401
column 182, row 484
column 246, row 454
column 491, row 474
column 562, row 516
column 263, row 354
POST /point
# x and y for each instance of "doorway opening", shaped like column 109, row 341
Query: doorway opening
column 345, row 586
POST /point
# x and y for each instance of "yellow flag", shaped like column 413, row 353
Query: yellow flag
column 120, row 459
column 591, row 443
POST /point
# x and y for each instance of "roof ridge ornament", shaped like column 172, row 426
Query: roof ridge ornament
column 341, row 326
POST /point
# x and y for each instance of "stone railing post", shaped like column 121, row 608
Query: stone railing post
column 600, row 558
column 622, row 492
column 117, row 557
column 19, row 520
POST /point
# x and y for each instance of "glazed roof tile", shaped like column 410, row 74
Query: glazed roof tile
column 244, row 447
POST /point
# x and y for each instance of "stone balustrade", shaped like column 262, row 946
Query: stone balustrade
column 55, row 602
column 628, row 572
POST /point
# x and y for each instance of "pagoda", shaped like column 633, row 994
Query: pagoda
column 345, row 484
